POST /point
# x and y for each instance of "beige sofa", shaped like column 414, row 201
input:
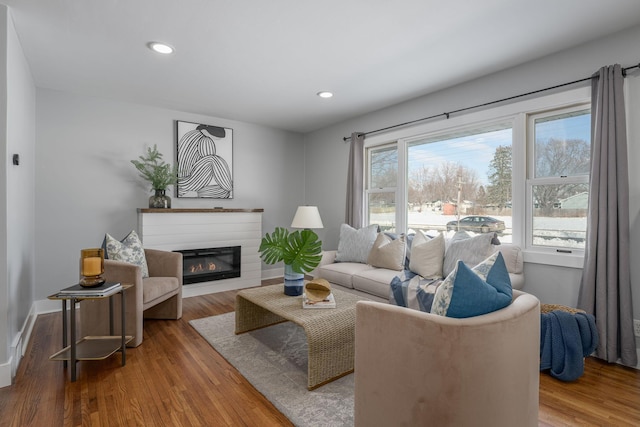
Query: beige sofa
column 364, row 278
column 419, row 369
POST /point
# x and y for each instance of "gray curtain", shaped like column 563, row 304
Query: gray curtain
column 605, row 288
column 355, row 186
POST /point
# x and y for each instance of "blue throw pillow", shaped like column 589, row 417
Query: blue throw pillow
column 472, row 292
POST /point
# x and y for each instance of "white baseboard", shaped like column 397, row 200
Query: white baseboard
column 47, row 306
column 5, row 373
column 17, row 349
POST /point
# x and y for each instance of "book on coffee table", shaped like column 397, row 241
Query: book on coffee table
column 328, row 302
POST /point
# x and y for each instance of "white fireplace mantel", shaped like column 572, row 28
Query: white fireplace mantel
column 179, row 229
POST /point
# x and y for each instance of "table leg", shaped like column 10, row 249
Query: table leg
column 250, row 316
column 72, row 321
column 111, row 315
column 123, row 346
column 64, row 328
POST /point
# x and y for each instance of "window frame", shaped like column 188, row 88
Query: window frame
column 532, row 180
column 368, row 190
column 517, row 112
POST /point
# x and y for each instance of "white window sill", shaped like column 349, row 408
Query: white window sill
column 574, row 260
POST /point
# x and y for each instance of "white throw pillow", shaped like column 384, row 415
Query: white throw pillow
column 387, row 252
column 354, row 245
column 471, row 251
column 427, row 256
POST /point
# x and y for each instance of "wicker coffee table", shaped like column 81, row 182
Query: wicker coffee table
column 330, row 331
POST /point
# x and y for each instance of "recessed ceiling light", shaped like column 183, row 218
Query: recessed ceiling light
column 325, row 94
column 160, row 47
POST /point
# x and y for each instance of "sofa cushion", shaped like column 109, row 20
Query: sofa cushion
column 341, row 273
column 128, row 250
column 416, row 292
column 375, row 281
column 427, row 256
column 354, row 245
column 472, row 292
column 470, row 250
column 387, row 252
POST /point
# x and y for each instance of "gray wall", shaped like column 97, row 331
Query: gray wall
column 17, row 117
column 327, row 154
column 86, row 185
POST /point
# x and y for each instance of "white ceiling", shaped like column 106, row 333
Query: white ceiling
column 264, row 61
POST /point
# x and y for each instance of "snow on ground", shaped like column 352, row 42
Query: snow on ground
column 549, row 231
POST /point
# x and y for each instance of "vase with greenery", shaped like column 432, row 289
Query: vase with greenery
column 159, row 174
column 300, row 250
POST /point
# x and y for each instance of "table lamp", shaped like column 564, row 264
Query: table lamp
column 306, row 217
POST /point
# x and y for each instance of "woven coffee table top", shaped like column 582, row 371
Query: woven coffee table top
column 330, row 331
column 273, row 298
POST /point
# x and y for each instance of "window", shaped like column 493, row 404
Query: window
column 521, row 170
column 463, row 176
column 382, row 182
column 559, row 145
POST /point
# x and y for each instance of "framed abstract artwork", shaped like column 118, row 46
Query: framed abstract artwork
column 205, row 161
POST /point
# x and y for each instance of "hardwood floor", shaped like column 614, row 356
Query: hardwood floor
column 176, row 379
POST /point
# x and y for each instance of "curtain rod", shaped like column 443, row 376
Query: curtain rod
column 624, row 74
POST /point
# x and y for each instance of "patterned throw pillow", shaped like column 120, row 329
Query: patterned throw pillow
column 470, row 250
column 416, row 293
column 427, row 256
column 387, row 252
column 471, row 292
column 355, row 245
column 128, row 250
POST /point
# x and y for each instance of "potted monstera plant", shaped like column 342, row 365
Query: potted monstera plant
column 300, row 250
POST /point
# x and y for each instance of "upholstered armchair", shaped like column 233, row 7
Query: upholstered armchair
column 158, row 296
column 417, row 369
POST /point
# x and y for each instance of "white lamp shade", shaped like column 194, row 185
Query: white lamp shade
column 307, row 217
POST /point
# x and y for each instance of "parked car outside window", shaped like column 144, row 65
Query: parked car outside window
column 479, row 224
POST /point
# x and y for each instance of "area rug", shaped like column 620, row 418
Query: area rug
column 274, row 361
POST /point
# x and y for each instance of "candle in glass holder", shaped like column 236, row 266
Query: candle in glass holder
column 91, row 267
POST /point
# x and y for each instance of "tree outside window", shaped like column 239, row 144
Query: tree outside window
column 559, row 181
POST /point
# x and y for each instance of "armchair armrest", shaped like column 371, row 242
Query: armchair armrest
column 164, row 263
column 123, row 272
column 126, row 273
column 328, row 257
column 514, row 261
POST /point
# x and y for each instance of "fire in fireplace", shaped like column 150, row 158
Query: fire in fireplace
column 204, row 265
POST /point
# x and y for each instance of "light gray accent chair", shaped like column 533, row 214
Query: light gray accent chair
column 158, row 296
column 420, row 369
